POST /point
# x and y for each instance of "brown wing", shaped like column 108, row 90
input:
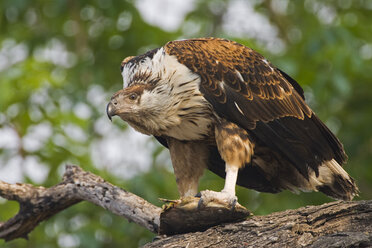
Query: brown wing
column 243, row 87
column 225, row 65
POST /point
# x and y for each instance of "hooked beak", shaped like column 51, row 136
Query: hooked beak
column 110, row 110
column 115, row 106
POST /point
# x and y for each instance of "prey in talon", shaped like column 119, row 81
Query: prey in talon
column 219, row 105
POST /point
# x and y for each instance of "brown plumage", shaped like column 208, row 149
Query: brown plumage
column 220, row 105
column 233, row 143
column 245, row 72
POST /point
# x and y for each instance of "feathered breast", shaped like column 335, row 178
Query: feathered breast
column 171, row 102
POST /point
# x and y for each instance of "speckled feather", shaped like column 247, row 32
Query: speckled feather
column 246, row 89
column 226, row 64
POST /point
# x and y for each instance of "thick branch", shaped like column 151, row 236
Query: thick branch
column 335, row 224
column 39, row 203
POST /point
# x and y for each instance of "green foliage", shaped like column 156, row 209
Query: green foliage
column 59, row 64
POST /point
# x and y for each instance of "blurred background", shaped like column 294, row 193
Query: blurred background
column 60, row 63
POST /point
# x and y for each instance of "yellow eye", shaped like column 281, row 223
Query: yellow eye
column 133, row 96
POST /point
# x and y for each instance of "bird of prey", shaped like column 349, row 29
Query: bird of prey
column 219, row 105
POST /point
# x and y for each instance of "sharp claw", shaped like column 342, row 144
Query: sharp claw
column 233, row 204
column 200, row 203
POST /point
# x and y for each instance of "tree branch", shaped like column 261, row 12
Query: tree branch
column 39, row 203
column 335, row 224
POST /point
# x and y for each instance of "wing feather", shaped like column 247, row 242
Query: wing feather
column 244, row 88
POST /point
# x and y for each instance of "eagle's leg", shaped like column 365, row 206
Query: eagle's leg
column 236, row 149
column 189, row 159
column 230, row 179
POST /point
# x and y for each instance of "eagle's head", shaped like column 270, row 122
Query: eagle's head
column 131, row 104
column 158, row 95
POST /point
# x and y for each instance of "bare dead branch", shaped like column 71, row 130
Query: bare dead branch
column 335, row 224
column 183, row 216
column 39, row 203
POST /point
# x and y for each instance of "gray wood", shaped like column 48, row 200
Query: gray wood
column 39, row 203
column 335, row 224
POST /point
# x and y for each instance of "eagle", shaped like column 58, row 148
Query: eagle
column 219, row 105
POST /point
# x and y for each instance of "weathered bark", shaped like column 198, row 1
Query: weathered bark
column 39, row 203
column 336, row 224
column 187, row 215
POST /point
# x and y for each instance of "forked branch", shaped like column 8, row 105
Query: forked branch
column 39, row 203
column 335, row 224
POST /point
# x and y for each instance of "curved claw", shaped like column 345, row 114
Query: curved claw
column 200, row 203
column 233, row 204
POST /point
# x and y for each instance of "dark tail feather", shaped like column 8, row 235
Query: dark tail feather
column 336, row 183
